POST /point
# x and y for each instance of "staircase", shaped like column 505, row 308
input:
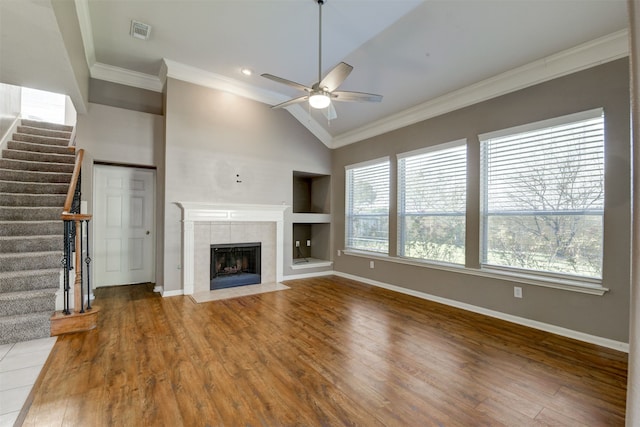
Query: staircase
column 35, row 171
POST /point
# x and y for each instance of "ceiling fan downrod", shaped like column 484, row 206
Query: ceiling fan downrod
column 320, row 3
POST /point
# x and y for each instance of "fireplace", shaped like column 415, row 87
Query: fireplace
column 206, row 224
column 235, row 264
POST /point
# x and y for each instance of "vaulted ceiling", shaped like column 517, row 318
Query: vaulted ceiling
column 424, row 57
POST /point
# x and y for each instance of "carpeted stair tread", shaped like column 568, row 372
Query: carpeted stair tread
column 33, row 176
column 46, row 125
column 25, row 327
column 39, row 148
column 30, row 260
column 34, row 156
column 41, row 139
column 33, row 187
column 32, row 228
column 12, row 281
column 23, row 302
column 30, row 213
column 35, row 172
column 30, row 130
column 36, row 166
column 17, row 199
column 34, row 243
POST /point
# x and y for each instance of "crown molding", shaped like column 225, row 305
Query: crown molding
column 177, row 70
column 86, row 31
column 599, row 51
column 126, row 77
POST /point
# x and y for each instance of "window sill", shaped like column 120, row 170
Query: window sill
column 554, row 283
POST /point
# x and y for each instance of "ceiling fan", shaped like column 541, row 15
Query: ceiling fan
column 321, row 93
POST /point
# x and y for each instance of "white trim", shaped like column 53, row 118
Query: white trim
column 126, row 77
column 9, row 133
column 309, row 275
column 372, row 162
column 599, row 51
column 86, row 31
column 210, row 212
column 569, row 333
column 432, row 148
column 586, row 287
column 543, row 124
column 176, row 293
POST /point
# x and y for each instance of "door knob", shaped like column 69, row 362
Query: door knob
column 148, row 232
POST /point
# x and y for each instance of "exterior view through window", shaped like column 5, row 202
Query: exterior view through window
column 432, row 196
column 367, row 206
column 543, row 196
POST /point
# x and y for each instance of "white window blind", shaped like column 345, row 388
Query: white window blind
column 432, row 192
column 367, row 206
column 543, row 196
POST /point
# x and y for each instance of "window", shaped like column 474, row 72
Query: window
column 432, row 193
column 367, row 206
column 543, row 196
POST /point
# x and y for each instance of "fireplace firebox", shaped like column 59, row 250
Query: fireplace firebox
column 235, row 264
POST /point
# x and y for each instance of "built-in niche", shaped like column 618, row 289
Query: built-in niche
column 311, row 193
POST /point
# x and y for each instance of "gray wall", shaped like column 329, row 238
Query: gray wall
column 605, row 316
column 211, row 137
column 121, row 96
column 116, row 135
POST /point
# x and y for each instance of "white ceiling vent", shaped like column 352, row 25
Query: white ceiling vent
column 140, row 30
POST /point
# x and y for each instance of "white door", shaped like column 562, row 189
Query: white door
column 124, row 225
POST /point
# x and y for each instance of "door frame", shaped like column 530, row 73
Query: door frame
column 154, row 220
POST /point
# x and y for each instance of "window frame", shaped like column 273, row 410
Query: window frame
column 348, row 208
column 483, row 212
column 401, row 197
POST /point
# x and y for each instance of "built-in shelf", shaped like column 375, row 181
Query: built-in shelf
column 311, row 221
column 301, row 264
column 311, row 193
column 310, row 218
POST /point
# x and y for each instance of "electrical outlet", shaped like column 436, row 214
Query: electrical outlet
column 371, row 264
column 339, row 252
column 517, row 291
column 297, row 243
column 308, row 242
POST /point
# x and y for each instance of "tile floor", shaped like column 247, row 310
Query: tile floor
column 20, row 365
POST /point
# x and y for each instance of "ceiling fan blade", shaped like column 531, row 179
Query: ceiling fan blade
column 286, row 82
column 291, row 102
column 355, row 96
column 330, row 112
column 335, row 77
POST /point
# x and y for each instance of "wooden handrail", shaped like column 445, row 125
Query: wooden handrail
column 72, row 185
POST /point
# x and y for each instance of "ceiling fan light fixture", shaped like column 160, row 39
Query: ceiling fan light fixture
column 319, row 100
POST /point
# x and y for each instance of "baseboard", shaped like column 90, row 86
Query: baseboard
column 308, row 275
column 569, row 333
column 172, row 293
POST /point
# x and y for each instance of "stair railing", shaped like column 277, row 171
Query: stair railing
column 76, row 238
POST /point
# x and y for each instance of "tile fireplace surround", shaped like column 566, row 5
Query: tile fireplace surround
column 204, row 224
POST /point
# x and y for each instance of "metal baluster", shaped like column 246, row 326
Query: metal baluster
column 80, row 236
column 87, row 261
column 66, row 266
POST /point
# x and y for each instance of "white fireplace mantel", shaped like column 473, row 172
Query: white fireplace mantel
column 211, row 212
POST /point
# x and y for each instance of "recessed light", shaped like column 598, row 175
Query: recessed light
column 246, row 71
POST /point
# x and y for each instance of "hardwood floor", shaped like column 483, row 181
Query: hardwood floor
column 328, row 351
